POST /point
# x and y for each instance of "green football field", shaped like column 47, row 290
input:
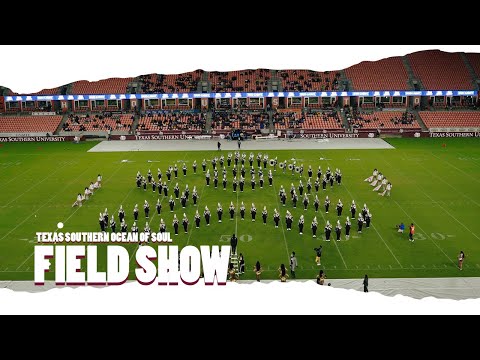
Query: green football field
column 435, row 187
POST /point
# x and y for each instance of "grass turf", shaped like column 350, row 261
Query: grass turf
column 434, row 187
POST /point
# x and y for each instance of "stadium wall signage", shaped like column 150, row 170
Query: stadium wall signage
column 243, row 95
column 36, row 139
column 469, row 134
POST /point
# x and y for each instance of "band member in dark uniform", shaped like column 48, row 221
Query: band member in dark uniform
column 197, row 219
column 194, row 166
column 305, row 202
column 124, row 227
column 235, row 184
column 159, row 207
column 317, row 184
column 215, row 180
column 314, row 227
column 175, row 223
column 113, row 224
column 185, row 223
column 171, row 203
column 301, row 222
column 253, row 182
column 368, row 219
column 264, row 215
column 328, row 231
column 165, row 188
column 163, row 226
column 231, row 210
column 338, row 230
column 339, row 207
column 327, row 204
column 146, row 208
column 135, row 212
column 289, row 220
column 353, row 209
column 270, row 178
column 233, row 244
column 207, row 178
column 134, row 228
column 261, row 181
column 300, row 188
column 101, row 222
column 324, row 183
column 309, row 186
column 360, row 223
column 204, row 165
column 183, row 200
column 316, row 203
column 175, row 170
column 184, row 169
column 253, row 211
column 195, row 195
column 310, row 171
column 348, row 226
column 294, row 200
column 224, row 183
column 219, row 212
column 187, row 191
column 276, row 218
column 176, row 191
column 121, row 214
column 242, row 211
column 207, row 215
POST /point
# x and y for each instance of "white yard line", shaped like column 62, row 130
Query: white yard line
column 281, row 221
column 71, row 215
column 435, row 202
column 456, row 168
column 30, row 188
column 374, row 228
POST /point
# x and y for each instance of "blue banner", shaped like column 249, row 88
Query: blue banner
column 282, row 94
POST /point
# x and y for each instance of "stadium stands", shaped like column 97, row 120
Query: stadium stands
column 172, row 121
column 225, row 120
column 30, row 124
column 243, row 81
column 96, row 123
column 382, row 120
column 107, row 86
column 440, row 70
column 164, row 84
column 450, row 119
column 386, row 74
column 307, row 80
column 474, row 60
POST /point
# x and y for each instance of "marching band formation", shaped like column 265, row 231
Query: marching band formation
column 236, row 164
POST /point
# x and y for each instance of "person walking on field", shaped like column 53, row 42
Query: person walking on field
column 461, row 257
column 411, row 232
column 293, row 264
column 365, row 283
